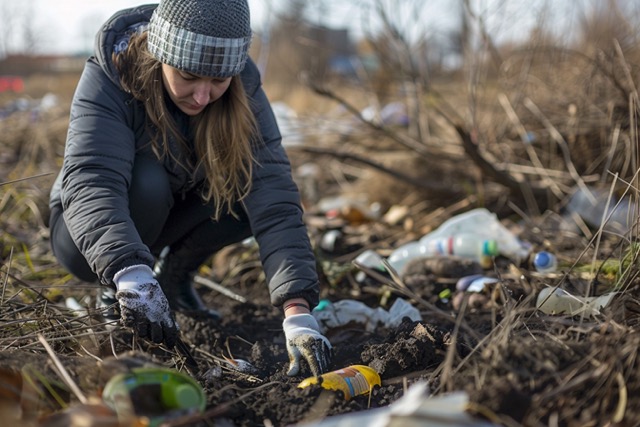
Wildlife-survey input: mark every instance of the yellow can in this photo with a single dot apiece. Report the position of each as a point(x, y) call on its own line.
point(353, 380)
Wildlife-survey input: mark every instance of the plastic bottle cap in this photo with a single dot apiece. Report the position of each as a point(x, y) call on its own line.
point(180, 396)
point(490, 248)
point(544, 261)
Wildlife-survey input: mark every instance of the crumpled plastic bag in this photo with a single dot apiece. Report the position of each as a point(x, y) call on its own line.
point(343, 312)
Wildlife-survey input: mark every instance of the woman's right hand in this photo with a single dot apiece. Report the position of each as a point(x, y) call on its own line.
point(143, 305)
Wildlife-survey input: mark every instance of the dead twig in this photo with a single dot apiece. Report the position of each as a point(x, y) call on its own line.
point(64, 375)
point(25, 178)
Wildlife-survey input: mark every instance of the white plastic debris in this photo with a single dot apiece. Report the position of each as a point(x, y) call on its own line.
point(343, 312)
point(558, 301)
point(416, 408)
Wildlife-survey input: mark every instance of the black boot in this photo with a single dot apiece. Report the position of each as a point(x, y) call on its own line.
point(174, 271)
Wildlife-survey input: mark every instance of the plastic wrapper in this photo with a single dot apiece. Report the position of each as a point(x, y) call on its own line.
point(343, 312)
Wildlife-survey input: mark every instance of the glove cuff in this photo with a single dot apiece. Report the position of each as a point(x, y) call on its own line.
point(300, 321)
point(133, 276)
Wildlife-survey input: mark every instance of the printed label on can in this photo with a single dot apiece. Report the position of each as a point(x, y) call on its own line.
point(355, 380)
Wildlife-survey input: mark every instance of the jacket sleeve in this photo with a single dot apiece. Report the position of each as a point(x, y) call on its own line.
point(275, 214)
point(96, 174)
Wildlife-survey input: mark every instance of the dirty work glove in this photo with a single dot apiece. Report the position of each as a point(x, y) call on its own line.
point(304, 340)
point(143, 306)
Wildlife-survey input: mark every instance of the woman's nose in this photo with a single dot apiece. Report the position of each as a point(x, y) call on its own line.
point(202, 94)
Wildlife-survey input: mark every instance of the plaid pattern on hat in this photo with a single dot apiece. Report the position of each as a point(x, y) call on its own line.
point(201, 36)
point(197, 53)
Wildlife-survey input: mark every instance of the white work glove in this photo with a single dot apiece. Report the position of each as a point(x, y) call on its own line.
point(143, 305)
point(304, 340)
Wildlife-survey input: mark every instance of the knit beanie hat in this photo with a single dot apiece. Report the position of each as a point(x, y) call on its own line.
point(204, 37)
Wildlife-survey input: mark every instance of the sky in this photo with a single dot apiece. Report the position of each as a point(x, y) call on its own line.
point(68, 26)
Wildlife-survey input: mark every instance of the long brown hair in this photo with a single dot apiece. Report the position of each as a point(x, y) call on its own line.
point(223, 132)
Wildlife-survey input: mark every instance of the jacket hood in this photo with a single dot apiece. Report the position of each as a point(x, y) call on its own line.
point(116, 30)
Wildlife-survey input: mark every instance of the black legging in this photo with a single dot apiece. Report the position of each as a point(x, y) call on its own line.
point(161, 220)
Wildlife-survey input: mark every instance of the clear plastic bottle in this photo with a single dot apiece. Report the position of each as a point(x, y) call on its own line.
point(464, 245)
point(405, 253)
point(486, 224)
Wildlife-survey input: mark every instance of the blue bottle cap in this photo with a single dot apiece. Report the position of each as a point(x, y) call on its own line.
point(544, 261)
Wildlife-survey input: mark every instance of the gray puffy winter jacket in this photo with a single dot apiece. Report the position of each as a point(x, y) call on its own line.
point(107, 130)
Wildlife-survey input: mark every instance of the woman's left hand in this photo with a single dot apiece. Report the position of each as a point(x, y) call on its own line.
point(304, 341)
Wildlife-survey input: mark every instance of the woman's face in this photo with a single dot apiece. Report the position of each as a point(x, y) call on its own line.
point(192, 93)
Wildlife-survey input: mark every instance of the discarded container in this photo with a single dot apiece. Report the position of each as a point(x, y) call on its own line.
point(484, 223)
point(354, 380)
point(545, 262)
point(156, 393)
point(558, 301)
point(405, 253)
point(465, 245)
